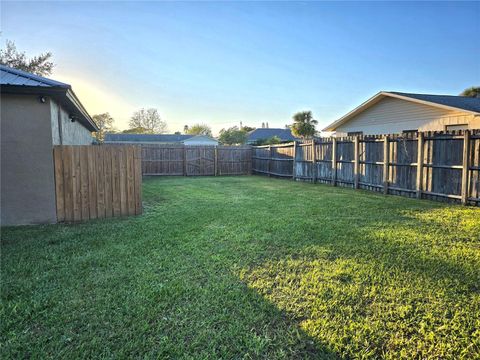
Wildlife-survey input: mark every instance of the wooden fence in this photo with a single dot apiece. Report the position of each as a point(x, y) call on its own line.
point(433, 165)
point(196, 160)
point(94, 182)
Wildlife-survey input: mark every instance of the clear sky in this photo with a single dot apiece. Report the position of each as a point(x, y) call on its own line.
point(221, 62)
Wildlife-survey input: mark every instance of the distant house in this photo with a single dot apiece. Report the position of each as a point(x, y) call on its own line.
point(152, 139)
point(395, 112)
point(266, 133)
point(37, 113)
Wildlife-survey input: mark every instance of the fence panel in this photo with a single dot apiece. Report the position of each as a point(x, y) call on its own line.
point(178, 160)
point(432, 165)
point(234, 160)
point(276, 160)
point(97, 181)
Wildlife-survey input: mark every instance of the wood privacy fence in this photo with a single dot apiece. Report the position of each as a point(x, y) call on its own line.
point(94, 182)
point(433, 165)
point(196, 160)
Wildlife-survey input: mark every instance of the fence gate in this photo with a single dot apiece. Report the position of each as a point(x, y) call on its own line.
point(199, 160)
point(179, 160)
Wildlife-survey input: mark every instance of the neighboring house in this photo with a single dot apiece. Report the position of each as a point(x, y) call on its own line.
point(153, 139)
point(395, 112)
point(36, 113)
point(266, 133)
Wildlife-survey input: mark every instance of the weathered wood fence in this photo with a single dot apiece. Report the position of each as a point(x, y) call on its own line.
point(196, 160)
point(433, 165)
point(94, 182)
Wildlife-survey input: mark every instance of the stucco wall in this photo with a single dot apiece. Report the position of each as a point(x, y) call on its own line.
point(67, 132)
point(27, 176)
point(392, 115)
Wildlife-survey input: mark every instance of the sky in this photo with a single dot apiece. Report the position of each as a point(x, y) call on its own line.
point(222, 63)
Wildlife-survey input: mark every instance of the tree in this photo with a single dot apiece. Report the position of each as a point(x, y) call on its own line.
point(38, 65)
point(303, 124)
point(199, 129)
point(104, 123)
point(149, 120)
point(473, 91)
point(137, 130)
point(270, 141)
point(233, 136)
point(247, 128)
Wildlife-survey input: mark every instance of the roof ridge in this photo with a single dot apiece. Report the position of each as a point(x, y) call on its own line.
point(406, 93)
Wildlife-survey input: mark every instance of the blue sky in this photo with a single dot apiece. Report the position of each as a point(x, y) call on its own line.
point(221, 62)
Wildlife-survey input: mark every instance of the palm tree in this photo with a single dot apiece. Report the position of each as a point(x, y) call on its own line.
point(304, 124)
point(473, 91)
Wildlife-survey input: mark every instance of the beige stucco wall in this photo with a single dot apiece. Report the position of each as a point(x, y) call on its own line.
point(391, 115)
point(66, 132)
point(27, 178)
point(29, 129)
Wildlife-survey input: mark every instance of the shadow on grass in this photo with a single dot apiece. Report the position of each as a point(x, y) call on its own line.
point(247, 268)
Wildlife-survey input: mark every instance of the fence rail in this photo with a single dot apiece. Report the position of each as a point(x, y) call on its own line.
point(433, 165)
point(196, 160)
point(94, 182)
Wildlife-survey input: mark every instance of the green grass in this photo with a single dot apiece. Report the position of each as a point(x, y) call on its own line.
point(248, 268)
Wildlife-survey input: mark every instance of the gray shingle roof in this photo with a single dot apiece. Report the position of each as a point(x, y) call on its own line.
point(162, 138)
point(460, 102)
point(9, 76)
point(267, 133)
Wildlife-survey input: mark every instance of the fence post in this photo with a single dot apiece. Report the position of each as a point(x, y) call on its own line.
point(294, 159)
point(420, 142)
point(385, 164)
point(356, 164)
point(270, 159)
point(216, 160)
point(314, 162)
point(334, 161)
point(465, 166)
point(184, 161)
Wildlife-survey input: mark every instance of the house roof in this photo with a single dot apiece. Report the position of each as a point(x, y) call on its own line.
point(448, 102)
point(267, 133)
point(142, 138)
point(21, 82)
point(152, 138)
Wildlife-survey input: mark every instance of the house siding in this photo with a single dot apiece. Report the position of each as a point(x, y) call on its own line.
point(27, 175)
point(392, 115)
point(66, 132)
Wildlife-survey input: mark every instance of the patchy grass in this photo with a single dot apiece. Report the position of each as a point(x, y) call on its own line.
point(248, 267)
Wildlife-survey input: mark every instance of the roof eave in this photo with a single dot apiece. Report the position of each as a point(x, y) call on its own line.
point(62, 93)
point(377, 97)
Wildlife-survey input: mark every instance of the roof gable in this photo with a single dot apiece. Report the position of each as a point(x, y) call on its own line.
point(447, 102)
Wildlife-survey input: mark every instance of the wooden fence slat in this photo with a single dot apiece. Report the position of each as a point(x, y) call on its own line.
point(386, 166)
point(334, 162)
point(419, 165)
point(115, 183)
point(92, 184)
point(138, 180)
point(123, 181)
point(84, 191)
point(77, 195)
point(59, 185)
point(466, 165)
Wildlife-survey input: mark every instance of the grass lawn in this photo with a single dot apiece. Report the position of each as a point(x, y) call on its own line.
point(247, 268)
